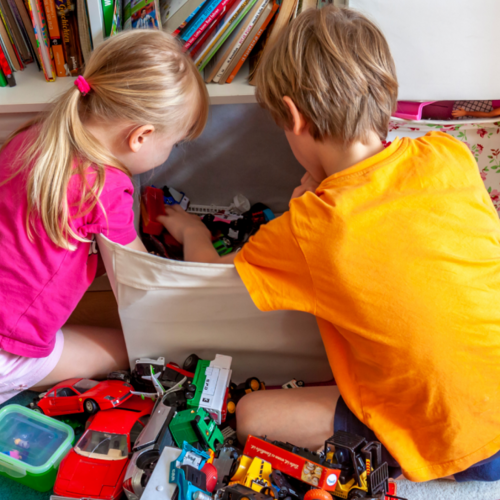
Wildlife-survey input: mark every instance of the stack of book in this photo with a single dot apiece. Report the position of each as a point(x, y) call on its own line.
point(59, 35)
point(220, 35)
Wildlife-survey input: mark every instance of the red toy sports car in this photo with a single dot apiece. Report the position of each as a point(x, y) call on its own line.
point(78, 395)
point(96, 466)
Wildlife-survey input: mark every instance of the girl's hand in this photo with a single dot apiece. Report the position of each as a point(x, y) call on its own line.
point(456, 113)
point(307, 183)
point(178, 223)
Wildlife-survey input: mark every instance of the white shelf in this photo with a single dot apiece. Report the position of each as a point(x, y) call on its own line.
point(32, 93)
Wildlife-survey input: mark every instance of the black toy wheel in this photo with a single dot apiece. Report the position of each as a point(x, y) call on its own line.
point(300, 383)
point(90, 407)
point(37, 409)
point(355, 494)
point(253, 384)
point(147, 460)
point(190, 363)
point(191, 388)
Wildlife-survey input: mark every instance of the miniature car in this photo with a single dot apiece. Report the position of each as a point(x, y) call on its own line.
point(253, 472)
point(154, 439)
point(96, 466)
point(196, 427)
point(79, 395)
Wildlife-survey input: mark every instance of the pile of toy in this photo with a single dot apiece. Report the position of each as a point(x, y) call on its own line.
point(230, 226)
point(165, 432)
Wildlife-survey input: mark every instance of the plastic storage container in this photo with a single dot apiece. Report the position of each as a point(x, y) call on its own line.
point(32, 446)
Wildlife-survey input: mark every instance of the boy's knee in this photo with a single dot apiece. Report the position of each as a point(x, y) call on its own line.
point(248, 411)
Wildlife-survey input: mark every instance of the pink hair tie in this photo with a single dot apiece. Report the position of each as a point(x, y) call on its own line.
point(82, 85)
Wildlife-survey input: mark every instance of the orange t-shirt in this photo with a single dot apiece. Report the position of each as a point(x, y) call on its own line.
point(399, 259)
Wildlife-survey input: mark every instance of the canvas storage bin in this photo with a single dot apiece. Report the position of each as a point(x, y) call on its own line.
point(172, 309)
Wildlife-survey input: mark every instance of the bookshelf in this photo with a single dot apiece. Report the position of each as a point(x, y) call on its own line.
point(32, 93)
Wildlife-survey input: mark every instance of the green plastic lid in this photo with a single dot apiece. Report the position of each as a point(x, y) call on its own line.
point(31, 442)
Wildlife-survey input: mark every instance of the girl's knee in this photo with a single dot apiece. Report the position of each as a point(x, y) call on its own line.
point(248, 414)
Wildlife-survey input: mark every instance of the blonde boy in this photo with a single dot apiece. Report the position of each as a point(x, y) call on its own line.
point(396, 251)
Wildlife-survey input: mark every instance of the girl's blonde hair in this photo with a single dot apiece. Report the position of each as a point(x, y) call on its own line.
point(138, 77)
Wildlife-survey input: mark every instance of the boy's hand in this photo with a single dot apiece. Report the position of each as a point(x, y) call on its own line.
point(178, 223)
point(456, 113)
point(307, 183)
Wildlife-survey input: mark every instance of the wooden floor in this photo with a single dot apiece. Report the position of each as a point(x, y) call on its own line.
point(97, 308)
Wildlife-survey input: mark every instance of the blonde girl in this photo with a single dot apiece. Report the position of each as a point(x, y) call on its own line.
point(65, 177)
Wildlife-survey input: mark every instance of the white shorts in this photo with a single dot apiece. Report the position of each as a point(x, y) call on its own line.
point(18, 373)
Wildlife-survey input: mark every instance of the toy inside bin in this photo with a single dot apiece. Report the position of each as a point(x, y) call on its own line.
point(32, 446)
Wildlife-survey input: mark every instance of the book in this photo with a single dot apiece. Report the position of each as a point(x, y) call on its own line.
point(68, 25)
point(252, 40)
point(282, 19)
point(117, 25)
point(203, 38)
point(42, 40)
point(168, 8)
point(204, 13)
point(108, 11)
point(178, 21)
point(5, 67)
point(219, 10)
point(83, 29)
point(141, 14)
point(232, 45)
point(22, 31)
point(28, 26)
point(8, 48)
point(10, 39)
point(15, 34)
point(235, 15)
point(55, 38)
point(96, 22)
point(3, 80)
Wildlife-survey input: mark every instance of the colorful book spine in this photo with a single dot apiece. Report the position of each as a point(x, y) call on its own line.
point(108, 9)
point(55, 37)
point(68, 25)
point(219, 9)
point(249, 49)
point(11, 40)
point(240, 41)
point(16, 16)
point(42, 40)
point(241, 11)
point(199, 43)
point(188, 19)
point(199, 20)
point(3, 80)
point(6, 70)
point(28, 26)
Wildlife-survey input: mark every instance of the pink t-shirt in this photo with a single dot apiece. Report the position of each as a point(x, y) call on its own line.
point(40, 283)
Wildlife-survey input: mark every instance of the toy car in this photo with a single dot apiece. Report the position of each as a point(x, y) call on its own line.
point(224, 465)
point(79, 395)
point(95, 467)
point(196, 427)
point(211, 380)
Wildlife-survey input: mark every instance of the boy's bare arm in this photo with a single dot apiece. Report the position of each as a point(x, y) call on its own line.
point(194, 236)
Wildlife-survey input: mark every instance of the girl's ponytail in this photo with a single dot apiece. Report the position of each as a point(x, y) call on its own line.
point(139, 77)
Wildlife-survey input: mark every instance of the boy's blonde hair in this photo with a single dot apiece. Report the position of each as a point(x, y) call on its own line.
point(337, 68)
point(138, 77)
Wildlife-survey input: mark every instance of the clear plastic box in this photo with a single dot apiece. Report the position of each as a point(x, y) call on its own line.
point(31, 446)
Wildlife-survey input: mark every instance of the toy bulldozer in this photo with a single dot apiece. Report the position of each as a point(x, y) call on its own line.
point(363, 475)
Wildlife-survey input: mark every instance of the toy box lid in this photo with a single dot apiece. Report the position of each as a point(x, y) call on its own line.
point(31, 442)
